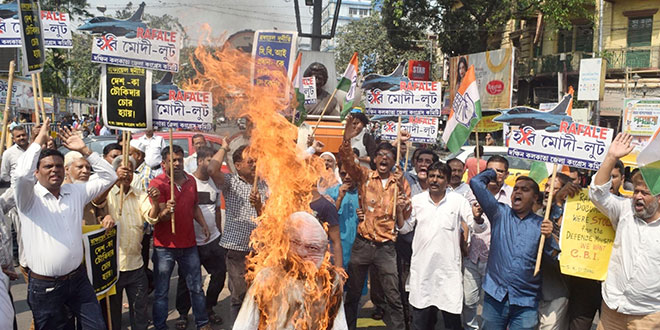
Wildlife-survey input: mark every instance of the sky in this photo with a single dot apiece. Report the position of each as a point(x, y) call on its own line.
point(222, 15)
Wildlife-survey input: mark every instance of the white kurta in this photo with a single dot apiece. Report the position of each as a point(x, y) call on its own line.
point(435, 270)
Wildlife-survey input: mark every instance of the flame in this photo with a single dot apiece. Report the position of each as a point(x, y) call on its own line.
point(271, 267)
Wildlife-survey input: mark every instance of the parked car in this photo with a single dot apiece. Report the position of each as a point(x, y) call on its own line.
point(184, 140)
point(96, 143)
point(517, 166)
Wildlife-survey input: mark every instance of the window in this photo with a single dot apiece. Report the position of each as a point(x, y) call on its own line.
point(353, 11)
point(565, 41)
point(584, 38)
point(640, 30)
point(364, 12)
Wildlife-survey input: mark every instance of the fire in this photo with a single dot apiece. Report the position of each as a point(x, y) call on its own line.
point(227, 74)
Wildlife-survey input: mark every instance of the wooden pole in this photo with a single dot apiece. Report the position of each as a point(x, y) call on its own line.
point(41, 97)
point(107, 308)
point(5, 117)
point(476, 137)
point(546, 217)
point(323, 112)
point(124, 162)
point(408, 146)
point(172, 179)
point(35, 96)
point(398, 159)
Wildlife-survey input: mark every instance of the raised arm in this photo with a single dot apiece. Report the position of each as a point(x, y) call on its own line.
point(347, 157)
point(215, 165)
point(24, 179)
point(620, 147)
point(486, 200)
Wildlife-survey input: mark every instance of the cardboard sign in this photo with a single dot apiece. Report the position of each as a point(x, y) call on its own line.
point(574, 144)
point(486, 124)
point(415, 98)
point(56, 30)
point(591, 85)
point(188, 110)
point(641, 118)
point(419, 70)
point(102, 258)
point(32, 37)
point(586, 239)
point(421, 129)
point(309, 89)
point(273, 52)
point(150, 49)
point(126, 97)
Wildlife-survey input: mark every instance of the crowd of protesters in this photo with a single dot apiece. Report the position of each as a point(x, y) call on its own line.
point(430, 245)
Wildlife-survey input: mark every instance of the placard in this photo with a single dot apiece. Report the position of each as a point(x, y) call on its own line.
point(585, 240)
point(309, 89)
point(102, 258)
point(414, 98)
point(126, 97)
point(32, 37)
point(421, 129)
point(591, 85)
point(486, 124)
point(273, 52)
point(187, 110)
point(419, 70)
point(574, 144)
point(150, 49)
point(641, 118)
point(57, 32)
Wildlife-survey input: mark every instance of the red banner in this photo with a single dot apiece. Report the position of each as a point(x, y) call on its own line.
point(419, 70)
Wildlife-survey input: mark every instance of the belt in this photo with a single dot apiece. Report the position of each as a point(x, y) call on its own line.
point(374, 243)
point(55, 278)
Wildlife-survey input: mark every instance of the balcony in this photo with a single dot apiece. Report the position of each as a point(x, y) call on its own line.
point(632, 57)
point(549, 64)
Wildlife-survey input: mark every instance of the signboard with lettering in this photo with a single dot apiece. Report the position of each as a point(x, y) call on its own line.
point(32, 37)
point(102, 258)
point(591, 85)
point(574, 144)
point(419, 70)
point(187, 110)
point(641, 118)
point(126, 97)
point(421, 129)
point(56, 30)
point(486, 124)
point(309, 89)
point(273, 52)
point(586, 239)
point(150, 49)
point(414, 98)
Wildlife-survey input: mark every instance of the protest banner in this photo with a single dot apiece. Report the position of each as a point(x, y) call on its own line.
point(102, 258)
point(149, 49)
point(591, 85)
point(32, 38)
point(309, 89)
point(585, 240)
point(126, 97)
point(419, 70)
point(575, 145)
point(486, 124)
point(414, 98)
point(421, 129)
point(494, 74)
point(56, 31)
point(188, 110)
point(273, 51)
point(641, 120)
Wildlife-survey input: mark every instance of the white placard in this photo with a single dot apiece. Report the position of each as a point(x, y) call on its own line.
point(56, 25)
point(187, 110)
point(421, 129)
point(415, 98)
point(591, 80)
point(151, 49)
point(309, 89)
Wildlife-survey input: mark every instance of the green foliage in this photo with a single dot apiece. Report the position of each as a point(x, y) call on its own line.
point(368, 37)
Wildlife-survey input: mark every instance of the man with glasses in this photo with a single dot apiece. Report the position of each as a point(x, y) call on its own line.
point(376, 234)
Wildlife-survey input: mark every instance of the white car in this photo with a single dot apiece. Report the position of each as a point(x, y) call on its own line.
point(517, 166)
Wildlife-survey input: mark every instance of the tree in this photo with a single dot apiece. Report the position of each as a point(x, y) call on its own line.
point(368, 37)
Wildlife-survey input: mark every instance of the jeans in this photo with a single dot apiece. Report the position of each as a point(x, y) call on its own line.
point(135, 284)
point(212, 257)
point(383, 256)
point(473, 276)
point(188, 261)
point(500, 315)
point(426, 318)
point(47, 299)
point(235, 261)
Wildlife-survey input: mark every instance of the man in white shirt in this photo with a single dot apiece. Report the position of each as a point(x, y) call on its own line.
point(21, 141)
point(631, 292)
point(154, 144)
point(211, 254)
point(190, 162)
point(51, 226)
point(436, 282)
point(456, 183)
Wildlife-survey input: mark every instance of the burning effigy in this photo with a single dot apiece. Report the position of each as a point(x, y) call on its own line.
point(292, 283)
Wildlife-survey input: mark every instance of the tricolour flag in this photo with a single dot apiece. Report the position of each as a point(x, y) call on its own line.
point(296, 81)
point(348, 83)
point(465, 112)
point(648, 161)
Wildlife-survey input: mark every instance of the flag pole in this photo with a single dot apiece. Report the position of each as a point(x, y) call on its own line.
point(35, 97)
point(5, 117)
point(41, 97)
point(548, 206)
point(172, 179)
point(332, 97)
point(398, 159)
point(476, 137)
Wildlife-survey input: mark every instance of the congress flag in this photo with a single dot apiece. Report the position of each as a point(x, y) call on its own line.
point(348, 84)
point(296, 81)
point(648, 161)
point(465, 112)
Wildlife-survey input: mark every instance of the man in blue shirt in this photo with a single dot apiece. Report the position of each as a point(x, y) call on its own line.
point(511, 289)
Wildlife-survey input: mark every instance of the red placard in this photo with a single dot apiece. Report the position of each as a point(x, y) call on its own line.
point(419, 70)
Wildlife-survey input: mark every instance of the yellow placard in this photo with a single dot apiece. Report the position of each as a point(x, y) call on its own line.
point(113, 289)
point(586, 239)
point(486, 124)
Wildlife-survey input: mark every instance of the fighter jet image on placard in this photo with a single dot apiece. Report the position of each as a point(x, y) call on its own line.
point(9, 10)
point(161, 89)
point(126, 28)
point(391, 82)
point(549, 120)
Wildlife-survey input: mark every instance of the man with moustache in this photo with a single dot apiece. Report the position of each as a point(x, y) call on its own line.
point(346, 197)
point(631, 292)
point(456, 183)
point(10, 157)
point(436, 283)
point(477, 253)
point(511, 290)
point(417, 179)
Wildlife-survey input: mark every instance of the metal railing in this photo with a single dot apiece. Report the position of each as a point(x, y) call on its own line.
point(632, 57)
